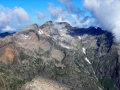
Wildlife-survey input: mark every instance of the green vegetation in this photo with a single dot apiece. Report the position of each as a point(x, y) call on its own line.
point(72, 70)
point(23, 55)
point(107, 83)
point(16, 84)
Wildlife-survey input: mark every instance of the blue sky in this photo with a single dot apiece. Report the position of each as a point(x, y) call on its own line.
point(39, 11)
point(17, 14)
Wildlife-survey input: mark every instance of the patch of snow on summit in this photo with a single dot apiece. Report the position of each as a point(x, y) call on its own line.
point(79, 37)
point(26, 36)
point(40, 32)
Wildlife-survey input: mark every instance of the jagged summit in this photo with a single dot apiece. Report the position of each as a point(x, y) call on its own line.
point(48, 23)
point(31, 27)
point(67, 25)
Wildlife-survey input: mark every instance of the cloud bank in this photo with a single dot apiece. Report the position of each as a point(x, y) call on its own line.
point(71, 14)
point(8, 29)
point(21, 15)
point(15, 16)
point(57, 14)
point(70, 6)
point(107, 13)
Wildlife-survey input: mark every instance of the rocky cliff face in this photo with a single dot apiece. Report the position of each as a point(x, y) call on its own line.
point(66, 57)
point(41, 83)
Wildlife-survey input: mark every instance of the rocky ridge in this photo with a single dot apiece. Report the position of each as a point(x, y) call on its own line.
point(77, 58)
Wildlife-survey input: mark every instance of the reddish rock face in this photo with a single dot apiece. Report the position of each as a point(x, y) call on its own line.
point(8, 52)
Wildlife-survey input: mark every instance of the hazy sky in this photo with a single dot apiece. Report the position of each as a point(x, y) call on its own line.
point(16, 14)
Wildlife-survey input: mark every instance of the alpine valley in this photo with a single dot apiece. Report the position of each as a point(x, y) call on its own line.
point(57, 56)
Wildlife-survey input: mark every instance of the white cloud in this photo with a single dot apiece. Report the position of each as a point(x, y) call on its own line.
point(58, 14)
point(107, 13)
point(70, 6)
point(5, 16)
point(83, 21)
point(12, 16)
point(21, 15)
point(69, 15)
point(40, 15)
point(8, 28)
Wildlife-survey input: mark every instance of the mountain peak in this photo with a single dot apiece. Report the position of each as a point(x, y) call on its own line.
point(48, 23)
point(65, 24)
point(31, 27)
point(62, 53)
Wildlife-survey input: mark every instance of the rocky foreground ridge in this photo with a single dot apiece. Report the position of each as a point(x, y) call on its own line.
point(57, 56)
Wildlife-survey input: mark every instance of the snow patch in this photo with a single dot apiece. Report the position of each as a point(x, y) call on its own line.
point(62, 34)
point(79, 37)
point(19, 43)
point(40, 32)
point(61, 30)
point(65, 46)
point(87, 60)
point(26, 36)
point(54, 38)
point(84, 50)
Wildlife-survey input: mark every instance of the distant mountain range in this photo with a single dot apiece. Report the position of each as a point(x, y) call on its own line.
point(2, 35)
point(57, 56)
